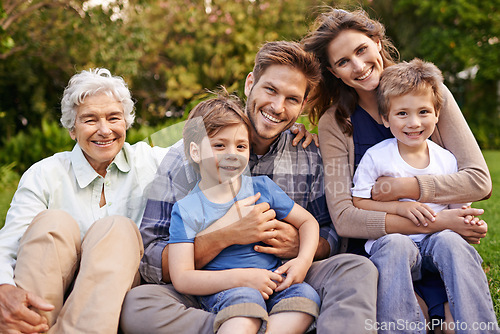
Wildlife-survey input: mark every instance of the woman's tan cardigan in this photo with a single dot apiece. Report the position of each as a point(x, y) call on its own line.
point(471, 183)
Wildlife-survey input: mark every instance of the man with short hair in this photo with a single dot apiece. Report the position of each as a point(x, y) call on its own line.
point(277, 89)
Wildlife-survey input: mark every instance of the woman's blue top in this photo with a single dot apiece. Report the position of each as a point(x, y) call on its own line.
point(366, 133)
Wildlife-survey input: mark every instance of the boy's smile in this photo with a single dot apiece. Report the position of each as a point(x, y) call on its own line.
point(412, 119)
point(224, 156)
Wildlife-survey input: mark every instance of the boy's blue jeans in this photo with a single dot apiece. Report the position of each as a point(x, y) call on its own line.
point(400, 261)
point(248, 302)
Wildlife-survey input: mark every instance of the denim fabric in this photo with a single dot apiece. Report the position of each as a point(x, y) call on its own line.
point(248, 302)
point(218, 301)
point(399, 262)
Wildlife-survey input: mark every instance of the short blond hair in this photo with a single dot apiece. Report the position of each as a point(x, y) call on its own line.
point(409, 77)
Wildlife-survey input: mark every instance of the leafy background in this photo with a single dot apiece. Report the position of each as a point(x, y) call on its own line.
point(170, 51)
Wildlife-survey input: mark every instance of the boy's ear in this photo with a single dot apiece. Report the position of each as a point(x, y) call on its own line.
point(385, 121)
point(194, 152)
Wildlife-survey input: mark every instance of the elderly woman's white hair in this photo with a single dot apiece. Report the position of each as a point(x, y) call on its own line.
point(92, 82)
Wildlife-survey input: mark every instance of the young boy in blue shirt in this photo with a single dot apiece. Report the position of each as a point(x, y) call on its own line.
point(247, 289)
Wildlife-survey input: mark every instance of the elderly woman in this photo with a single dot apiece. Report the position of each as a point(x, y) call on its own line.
point(70, 248)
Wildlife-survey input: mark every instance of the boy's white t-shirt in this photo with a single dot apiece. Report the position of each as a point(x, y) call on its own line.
point(383, 159)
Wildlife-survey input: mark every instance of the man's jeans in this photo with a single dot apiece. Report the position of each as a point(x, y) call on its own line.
point(399, 262)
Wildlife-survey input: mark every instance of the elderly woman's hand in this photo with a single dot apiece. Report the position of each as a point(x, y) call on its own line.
point(16, 314)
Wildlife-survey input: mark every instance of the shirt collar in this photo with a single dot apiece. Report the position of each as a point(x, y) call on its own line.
point(277, 146)
point(85, 173)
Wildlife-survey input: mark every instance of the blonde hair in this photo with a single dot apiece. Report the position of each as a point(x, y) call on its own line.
point(409, 77)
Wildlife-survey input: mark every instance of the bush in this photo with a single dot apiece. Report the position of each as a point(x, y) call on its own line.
point(8, 185)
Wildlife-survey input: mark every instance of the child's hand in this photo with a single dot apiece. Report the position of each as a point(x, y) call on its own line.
point(469, 219)
point(261, 279)
point(295, 270)
point(418, 213)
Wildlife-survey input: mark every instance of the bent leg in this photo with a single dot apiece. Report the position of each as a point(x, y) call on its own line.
point(154, 308)
point(111, 251)
point(347, 286)
point(48, 257)
point(236, 303)
point(398, 260)
point(466, 284)
point(293, 310)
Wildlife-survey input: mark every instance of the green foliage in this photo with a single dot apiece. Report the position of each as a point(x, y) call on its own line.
point(26, 148)
point(170, 51)
point(490, 246)
point(8, 184)
point(205, 44)
point(462, 38)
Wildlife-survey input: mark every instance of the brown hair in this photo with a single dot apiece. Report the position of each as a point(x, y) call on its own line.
point(208, 117)
point(413, 77)
point(290, 54)
point(332, 91)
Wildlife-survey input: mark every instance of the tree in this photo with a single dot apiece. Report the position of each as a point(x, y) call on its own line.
point(462, 38)
point(52, 40)
point(194, 45)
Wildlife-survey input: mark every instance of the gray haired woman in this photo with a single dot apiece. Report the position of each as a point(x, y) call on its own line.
point(70, 248)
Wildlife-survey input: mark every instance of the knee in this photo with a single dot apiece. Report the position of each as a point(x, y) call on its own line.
point(448, 239)
point(395, 245)
point(244, 295)
point(118, 229)
point(54, 223)
point(450, 244)
point(306, 291)
point(361, 265)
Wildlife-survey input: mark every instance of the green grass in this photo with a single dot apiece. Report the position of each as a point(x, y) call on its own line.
point(489, 249)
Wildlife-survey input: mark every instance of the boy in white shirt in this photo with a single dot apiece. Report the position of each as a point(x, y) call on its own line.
point(409, 98)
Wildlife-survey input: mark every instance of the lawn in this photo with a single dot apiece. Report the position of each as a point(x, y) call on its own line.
point(489, 247)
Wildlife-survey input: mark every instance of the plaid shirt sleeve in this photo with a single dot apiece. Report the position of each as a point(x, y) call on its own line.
point(318, 208)
point(174, 179)
point(299, 172)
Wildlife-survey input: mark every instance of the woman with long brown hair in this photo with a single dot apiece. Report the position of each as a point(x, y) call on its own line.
point(353, 51)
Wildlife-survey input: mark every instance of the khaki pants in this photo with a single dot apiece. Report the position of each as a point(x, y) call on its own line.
point(346, 283)
point(86, 280)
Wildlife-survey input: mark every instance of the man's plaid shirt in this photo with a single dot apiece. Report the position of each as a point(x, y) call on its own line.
point(298, 171)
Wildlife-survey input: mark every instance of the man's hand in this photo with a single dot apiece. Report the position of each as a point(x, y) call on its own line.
point(285, 244)
point(299, 130)
point(15, 313)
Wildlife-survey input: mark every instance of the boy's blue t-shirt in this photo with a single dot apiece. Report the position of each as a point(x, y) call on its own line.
point(195, 212)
